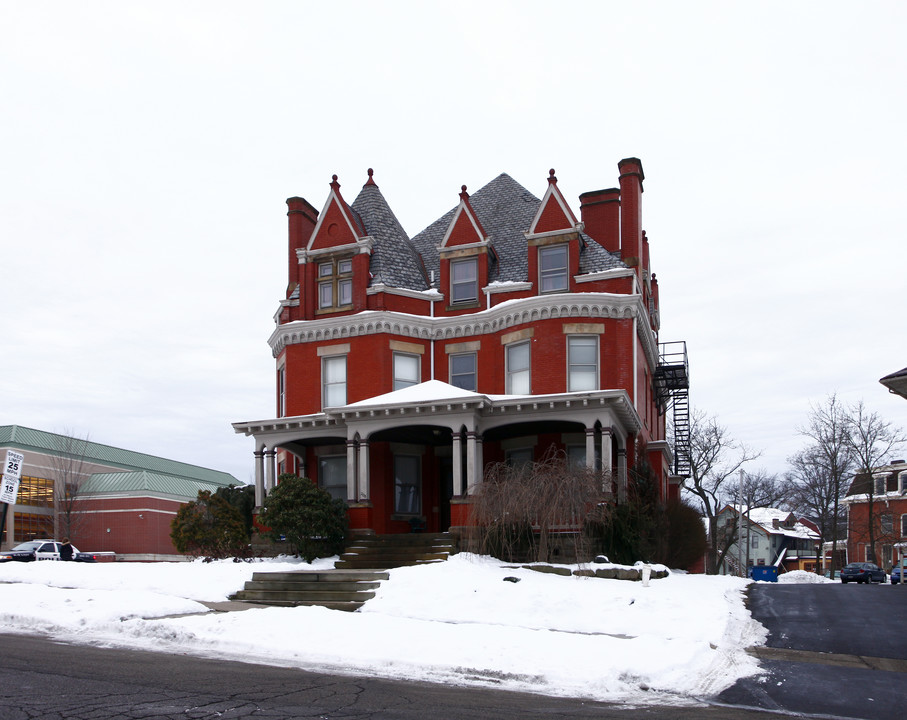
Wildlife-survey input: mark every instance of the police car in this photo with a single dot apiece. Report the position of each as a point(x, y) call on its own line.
point(42, 550)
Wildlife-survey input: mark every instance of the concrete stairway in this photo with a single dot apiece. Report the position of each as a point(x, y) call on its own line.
point(335, 589)
point(357, 574)
point(391, 551)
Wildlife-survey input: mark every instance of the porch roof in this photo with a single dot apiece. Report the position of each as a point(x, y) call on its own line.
point(438, 398)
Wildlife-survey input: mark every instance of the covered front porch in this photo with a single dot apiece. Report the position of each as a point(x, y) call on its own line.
point(411, 459)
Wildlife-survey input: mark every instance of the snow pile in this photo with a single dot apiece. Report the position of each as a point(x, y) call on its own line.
point(678, 639)
point(801, 577)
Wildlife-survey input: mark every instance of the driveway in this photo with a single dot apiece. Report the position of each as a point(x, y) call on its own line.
point(833, 650)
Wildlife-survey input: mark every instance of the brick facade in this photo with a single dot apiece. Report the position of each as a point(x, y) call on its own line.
point(506, 327)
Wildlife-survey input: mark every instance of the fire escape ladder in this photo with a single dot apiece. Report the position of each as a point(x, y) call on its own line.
point(672, 388)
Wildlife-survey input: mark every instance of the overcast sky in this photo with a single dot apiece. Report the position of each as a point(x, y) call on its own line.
point(147, 150)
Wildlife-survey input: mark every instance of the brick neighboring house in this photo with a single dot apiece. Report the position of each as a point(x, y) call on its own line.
point(404, 366)
point(124, 503)
point(887, 488)
point(771, 537)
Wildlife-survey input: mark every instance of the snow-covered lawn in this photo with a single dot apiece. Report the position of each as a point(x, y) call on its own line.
point(679, 639)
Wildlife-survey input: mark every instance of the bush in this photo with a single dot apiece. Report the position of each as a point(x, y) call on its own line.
point(313, 523)
point(241, 497)
point(209, 527)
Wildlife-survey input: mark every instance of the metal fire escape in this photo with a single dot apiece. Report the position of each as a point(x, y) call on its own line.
point(672, 389)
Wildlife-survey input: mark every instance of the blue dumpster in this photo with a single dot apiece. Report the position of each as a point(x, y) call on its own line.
point(765, 573)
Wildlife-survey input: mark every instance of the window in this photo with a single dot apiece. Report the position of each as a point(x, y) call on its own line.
point(582, 359)
point(518, 457)
point(406, 370)
point(754, 543)
point(463, 371)
point(35, 492)
point(464, 280)
point(903, 525)
point(576, 455)
point(407, 485)
point(887, 524)
point(553, 269)
point(333, 374)
point(517, 360)
point(879, 485)
point(332, 475)
point(902, 483)
point(281, 392)
point(335, 283)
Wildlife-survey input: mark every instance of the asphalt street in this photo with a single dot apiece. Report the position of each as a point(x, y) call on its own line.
point(832, 651)
point(41, 679)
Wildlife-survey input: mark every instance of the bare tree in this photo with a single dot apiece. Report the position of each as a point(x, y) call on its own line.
point(519, 508)
point(828, 428)
point(715, 459)
point(70, 470)
point(871, 440)
point(815, 494)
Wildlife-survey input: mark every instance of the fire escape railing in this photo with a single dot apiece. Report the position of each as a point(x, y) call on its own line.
point(672, 389)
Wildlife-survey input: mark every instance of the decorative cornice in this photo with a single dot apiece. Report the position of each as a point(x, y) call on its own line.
point(495, 319)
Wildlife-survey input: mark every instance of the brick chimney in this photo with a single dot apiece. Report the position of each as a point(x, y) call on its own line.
point(302, 222)
point(600, 213)
point(631, 244)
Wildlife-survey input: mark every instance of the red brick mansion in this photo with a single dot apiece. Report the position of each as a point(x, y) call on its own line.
point(406, 365)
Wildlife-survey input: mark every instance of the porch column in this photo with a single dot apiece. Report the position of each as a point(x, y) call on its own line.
point(590, 448)
point(364, 490)
point(480, 462)
point(607, 460)
point(270, 456)
point(621, 475)
point(351, 469)
point(259, 478)
point(470, 462)
point(457, 465)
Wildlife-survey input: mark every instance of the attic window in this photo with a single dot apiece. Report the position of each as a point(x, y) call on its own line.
point(879, 485)
point(464, 280)
point(553, 269)
point(335, 284)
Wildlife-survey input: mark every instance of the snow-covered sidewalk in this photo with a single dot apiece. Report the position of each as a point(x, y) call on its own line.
point(679, 639)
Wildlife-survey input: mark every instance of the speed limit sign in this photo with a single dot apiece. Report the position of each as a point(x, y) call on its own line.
point(12, 471)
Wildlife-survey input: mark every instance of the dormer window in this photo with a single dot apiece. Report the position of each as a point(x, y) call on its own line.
point(879, 484)
point(553, 269)
point(464, 280)
point(335, 283)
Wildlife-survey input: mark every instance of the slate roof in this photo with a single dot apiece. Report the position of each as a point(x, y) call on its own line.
point(506, 210)
point(394, 260)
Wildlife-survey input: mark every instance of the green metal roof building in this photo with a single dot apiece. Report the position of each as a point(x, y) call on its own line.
point(120, 500)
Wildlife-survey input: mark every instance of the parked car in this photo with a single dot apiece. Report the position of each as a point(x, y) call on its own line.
point(863, 572)
point(896, 575)
point(42, 550)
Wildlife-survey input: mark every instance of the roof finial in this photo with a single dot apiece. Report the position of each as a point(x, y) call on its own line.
point(551, 178)
point(334, 184)
point(371, 180)
point(463, 194)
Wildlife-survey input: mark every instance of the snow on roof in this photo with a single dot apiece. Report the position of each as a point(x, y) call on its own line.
point(430, 391)
point(765, 517)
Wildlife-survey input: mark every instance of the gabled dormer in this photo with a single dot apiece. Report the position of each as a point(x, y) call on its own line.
point(465, 252)
point(554, 241)
point(336, 260)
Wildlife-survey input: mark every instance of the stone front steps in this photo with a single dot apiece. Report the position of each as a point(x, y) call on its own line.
point(357, 573)
point(390, 551)
point(335, 589)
